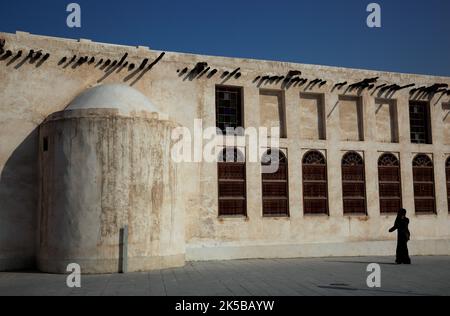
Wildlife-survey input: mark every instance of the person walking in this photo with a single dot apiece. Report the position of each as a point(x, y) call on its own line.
point(401, 225)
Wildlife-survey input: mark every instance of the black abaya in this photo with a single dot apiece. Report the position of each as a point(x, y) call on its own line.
point(401, 225)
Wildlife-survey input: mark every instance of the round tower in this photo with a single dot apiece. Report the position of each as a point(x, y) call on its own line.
point(108, 186)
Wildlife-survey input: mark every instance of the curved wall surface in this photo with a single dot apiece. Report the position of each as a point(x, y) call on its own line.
point(102, 171)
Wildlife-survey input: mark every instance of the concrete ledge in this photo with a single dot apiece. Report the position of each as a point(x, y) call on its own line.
point(103, 266)
point(315, 250)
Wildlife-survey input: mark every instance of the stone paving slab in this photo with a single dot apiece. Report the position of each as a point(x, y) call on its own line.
point(268, 277)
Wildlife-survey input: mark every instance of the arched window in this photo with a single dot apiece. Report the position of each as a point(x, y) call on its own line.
point(353, 184)
point(275, 191)
point(447, 171)
point(389, 180)
point(232, 183)
point(315, 186)
point(423, 177)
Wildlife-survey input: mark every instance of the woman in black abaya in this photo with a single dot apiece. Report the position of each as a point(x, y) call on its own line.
point(401, 225)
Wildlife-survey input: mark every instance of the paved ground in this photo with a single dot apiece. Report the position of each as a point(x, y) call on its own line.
point(272, 277)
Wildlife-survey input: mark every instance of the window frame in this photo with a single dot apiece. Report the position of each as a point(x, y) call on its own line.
point(432, 183)
point(240, 107)
point(305, 182)
point(399, 182)
point(343, 182)
point(222, 179)
point(286, 181)
point(427, 119)
point(447, 172)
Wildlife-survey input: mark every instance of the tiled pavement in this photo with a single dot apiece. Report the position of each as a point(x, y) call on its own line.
point(271, 277)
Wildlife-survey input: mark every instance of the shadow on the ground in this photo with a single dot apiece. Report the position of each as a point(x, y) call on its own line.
point(380, 291)
point(31, 272)
point(363, 262)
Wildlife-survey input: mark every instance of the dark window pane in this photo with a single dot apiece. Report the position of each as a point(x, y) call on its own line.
point(420, 124)
point(228, 108)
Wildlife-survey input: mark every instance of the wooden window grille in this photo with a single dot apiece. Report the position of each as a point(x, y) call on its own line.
point(447, 171)
point(389, 181)
point(275, 186)
point(232, 183)
point(423, 178)
point(315, 184)
point(353, 184)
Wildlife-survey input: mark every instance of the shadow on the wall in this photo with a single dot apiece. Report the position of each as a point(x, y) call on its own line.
point(36, 59)
point(332, 110)
point(14, 59)
point(18, 206)
point(22, 62)
point(143, 69)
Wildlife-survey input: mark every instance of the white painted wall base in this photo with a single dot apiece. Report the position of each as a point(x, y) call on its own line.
point(315, 250)
point(102, 266)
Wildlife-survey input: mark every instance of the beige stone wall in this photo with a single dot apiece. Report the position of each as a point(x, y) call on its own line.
point(31, 92)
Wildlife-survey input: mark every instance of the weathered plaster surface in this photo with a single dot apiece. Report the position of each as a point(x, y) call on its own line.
point(102, 172)
point(30, 93)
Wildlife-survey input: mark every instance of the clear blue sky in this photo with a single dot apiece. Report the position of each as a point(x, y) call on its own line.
point(414, 38)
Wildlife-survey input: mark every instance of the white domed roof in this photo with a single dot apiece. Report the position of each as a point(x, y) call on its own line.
point(113, 96)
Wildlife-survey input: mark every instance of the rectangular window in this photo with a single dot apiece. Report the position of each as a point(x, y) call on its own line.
point(420, 125)
point(228, 108)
